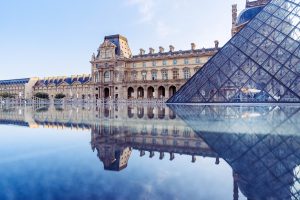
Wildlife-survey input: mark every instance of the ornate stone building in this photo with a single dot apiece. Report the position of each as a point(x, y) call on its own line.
point(118, 74)
point(20, 88)
point(74, 87)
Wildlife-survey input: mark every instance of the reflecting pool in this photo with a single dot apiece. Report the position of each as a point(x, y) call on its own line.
point(144, 152)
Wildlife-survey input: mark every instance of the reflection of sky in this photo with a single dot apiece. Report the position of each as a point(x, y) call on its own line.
point(59, 164)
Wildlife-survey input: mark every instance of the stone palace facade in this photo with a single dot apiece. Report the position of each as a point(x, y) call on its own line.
point(117, 74)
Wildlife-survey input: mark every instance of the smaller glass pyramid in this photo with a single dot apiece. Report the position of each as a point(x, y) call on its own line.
point(261, 63)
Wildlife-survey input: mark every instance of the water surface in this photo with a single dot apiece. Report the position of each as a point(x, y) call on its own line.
point(142, 152)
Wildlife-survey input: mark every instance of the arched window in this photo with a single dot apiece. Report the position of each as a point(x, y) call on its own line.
point(106, 76)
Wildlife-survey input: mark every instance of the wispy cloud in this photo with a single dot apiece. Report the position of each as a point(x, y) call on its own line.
point(145, 8)
point(149, 16)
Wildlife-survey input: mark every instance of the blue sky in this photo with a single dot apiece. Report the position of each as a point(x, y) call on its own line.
point(54, 37)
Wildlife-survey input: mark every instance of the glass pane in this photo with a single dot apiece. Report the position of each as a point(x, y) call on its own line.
point(281, 13)
point(238, 40)
point(263, 16)
point(272, 66)
point(255, 24)
point(257, 38)
point(273, 21)
point(288, 6)
point(278, 2)
point(238, 58)
point(247, 32)
point(259, 56)
point(268, 46)
point(277, 37)
point(289, 44)
point(265, 30)
point(248, 48)
point(293, 19)
point(249, 67)
point(219, 60)
point(293, 64)
point(281, 55)
point(285, 28)
point(219, 79)
point(229, 68)
point(271, 8)
point(295, 34)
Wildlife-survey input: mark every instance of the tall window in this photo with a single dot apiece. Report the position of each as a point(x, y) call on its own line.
point(197, 60)
point(186, 73)
point(97, 77)
point(186, 61)
point(175, 74)
point(164, 62)
point(133, 65)
point(174, 62)
point(106, 76)
point(164, 75)
point(144, 64)
point(154, 75)
point(144, 75)
point(153, 63)
point(133, 76)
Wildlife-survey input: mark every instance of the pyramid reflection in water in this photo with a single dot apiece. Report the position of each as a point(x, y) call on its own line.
point(261, 144)
point(261, 63)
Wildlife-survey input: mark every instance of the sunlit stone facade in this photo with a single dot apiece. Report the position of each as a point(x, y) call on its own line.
point(74, 87)
point(117, 74)
point(20, 88)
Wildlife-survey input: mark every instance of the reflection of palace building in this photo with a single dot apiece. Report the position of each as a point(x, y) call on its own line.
point(260, 143)
point(116, 131)
point(115, 143)
point(252, 8)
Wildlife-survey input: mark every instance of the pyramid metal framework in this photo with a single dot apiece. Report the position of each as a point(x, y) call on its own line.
point(261, 63)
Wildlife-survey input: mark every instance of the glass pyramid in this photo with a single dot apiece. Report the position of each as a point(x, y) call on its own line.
point(261, 63)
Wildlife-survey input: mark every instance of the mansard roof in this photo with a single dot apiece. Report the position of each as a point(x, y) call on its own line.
point(14, 81)
point(82, 79)
point(107, 44)
point(259, 64)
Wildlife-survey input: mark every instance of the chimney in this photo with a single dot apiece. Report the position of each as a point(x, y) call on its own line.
point(151, 50)
point(142, 51)
point(216, 44)
point(171, 48)
point(161, 49)
point(193, 46)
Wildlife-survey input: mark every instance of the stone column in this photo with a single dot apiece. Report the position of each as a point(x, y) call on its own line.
point(112, 77)
point(101, 76)
point(167, 94)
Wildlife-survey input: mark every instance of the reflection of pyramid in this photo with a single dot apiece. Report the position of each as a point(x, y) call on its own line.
point(261, 63)
point(265, 159)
